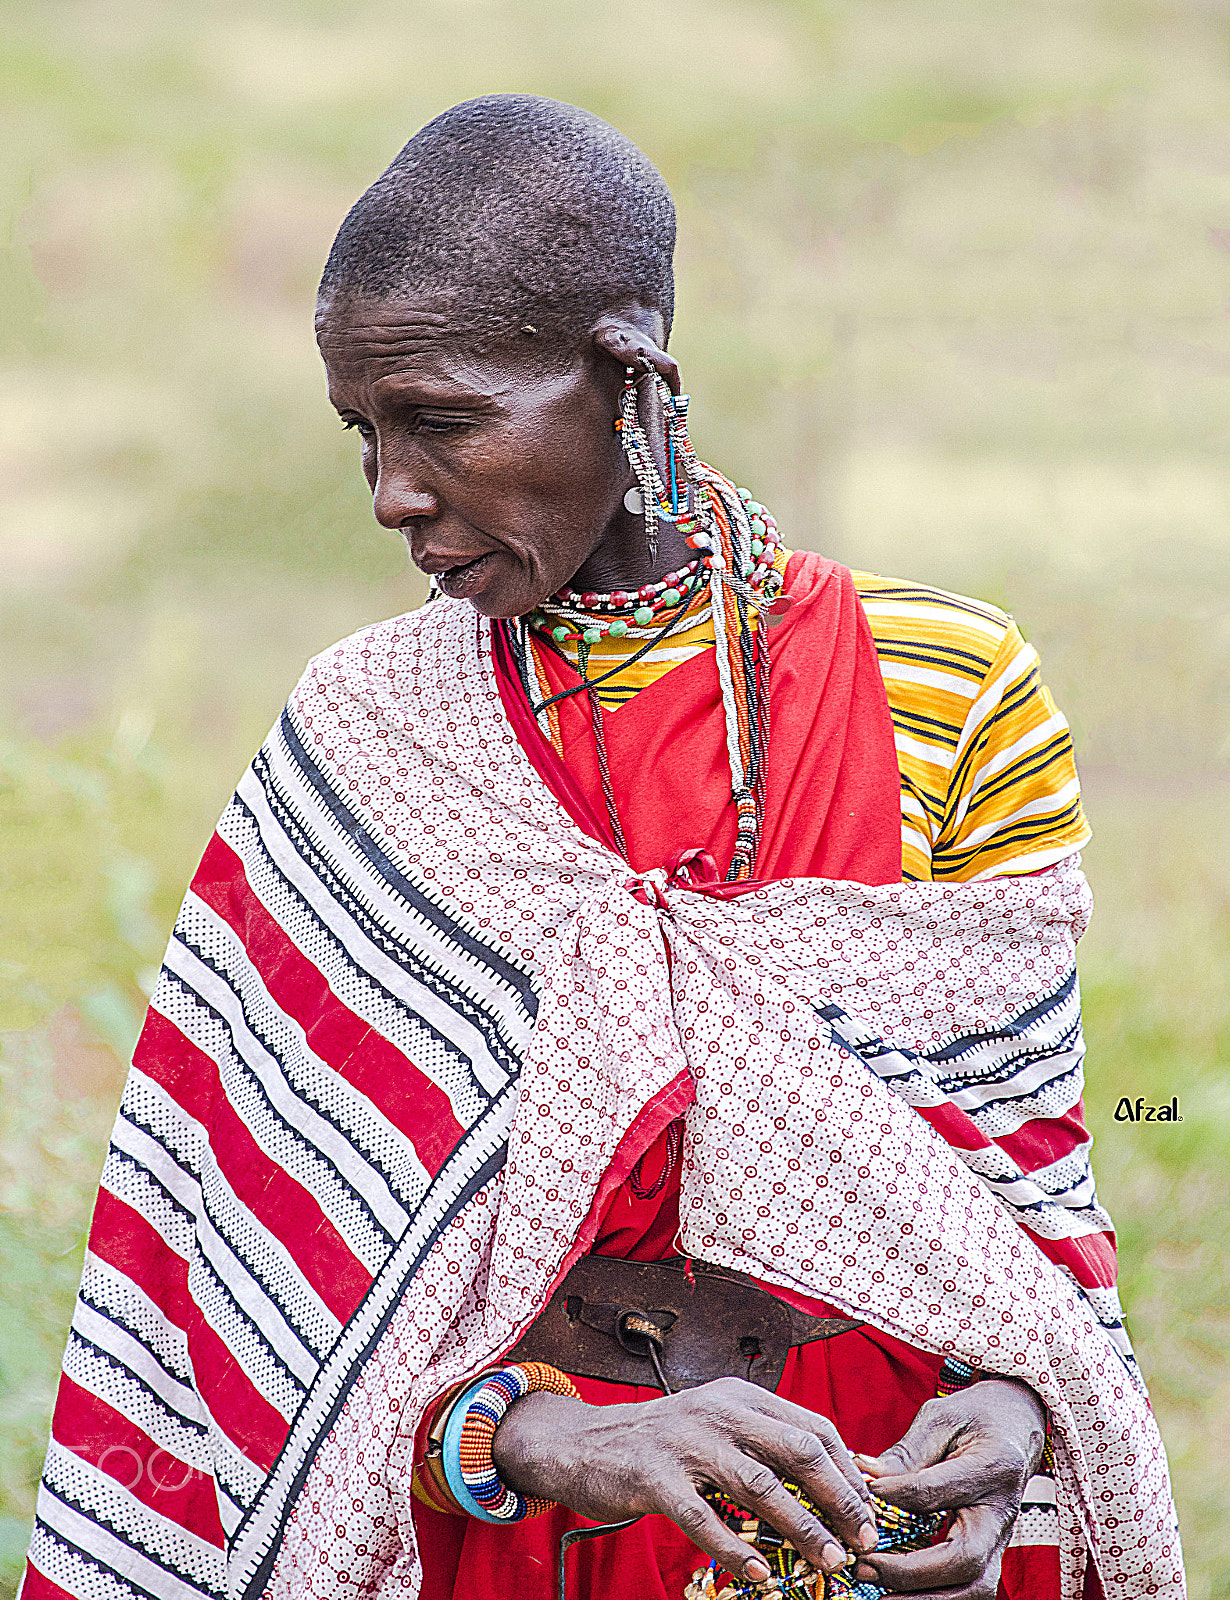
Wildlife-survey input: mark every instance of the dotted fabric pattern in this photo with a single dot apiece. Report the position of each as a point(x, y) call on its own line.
point(801, 1165)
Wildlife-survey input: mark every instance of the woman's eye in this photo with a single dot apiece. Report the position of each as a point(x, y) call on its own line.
point(420, 424)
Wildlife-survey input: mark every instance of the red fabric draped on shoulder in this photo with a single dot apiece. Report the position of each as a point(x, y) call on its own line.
point(833, 806)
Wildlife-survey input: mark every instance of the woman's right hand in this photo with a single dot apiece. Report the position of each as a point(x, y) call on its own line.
point(609, 1463)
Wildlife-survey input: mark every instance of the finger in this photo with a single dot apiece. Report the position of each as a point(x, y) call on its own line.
point(966, 1479)
point(812, 1424)
point(805, 1458)
point(702, 1525)
point(972, 1544)
point(984, 1588)
point(756, 1487)
point(928, 1438)
point(803, 1446)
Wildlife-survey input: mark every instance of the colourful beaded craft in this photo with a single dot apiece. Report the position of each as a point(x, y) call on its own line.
point(484, 1412)
point(790, 1576)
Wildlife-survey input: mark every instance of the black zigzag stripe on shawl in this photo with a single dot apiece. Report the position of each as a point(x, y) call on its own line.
point(237, 1020)
point(1054, 1201)
point(456, 1185)
point(307, 855)
point(221, 1240)
point(478, 1156)
point(349, 974)
point(1031, 1066)
point(118, 1565)
point(417, 962)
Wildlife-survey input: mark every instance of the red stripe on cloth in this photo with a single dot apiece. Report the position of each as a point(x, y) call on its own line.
point(38, 1586)
point(104, 1437)
point(235, 1404)
point(954, 1127)
point(171, 1060)
point(290, 1213)
point(278, 1201)
point(1046, 1139)
point(400, 1090)
point(123, 1237)
point(1092, 1259)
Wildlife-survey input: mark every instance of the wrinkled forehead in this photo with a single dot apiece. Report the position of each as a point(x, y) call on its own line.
point(453, 331)
point(351, 325)
point(386, 348)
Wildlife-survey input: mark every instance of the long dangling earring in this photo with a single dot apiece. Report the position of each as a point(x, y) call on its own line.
point(682, 456)
point(694, 516)
point(640, 457)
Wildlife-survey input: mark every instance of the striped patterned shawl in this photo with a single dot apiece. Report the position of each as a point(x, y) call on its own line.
point(407, 1016)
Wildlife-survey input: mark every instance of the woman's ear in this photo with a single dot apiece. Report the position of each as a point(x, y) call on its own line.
point(631, 346)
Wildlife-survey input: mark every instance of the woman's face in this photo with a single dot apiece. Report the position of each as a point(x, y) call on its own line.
point(505, 480)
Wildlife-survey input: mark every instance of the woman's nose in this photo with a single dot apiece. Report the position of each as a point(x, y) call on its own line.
point(401, 497)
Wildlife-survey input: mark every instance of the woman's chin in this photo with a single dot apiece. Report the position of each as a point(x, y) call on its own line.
point(493, 591)
point(498, 601)
point(468, 582)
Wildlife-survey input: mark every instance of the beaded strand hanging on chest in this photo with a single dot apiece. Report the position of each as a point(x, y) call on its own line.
point(736, 541)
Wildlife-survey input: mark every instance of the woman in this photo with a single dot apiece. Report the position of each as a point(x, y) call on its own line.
point(658, 907)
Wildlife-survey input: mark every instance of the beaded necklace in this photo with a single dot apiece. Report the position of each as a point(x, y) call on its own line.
point(736, 541)
point(588, 616)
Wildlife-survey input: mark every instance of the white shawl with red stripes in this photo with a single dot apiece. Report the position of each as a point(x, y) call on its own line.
point(408, 1013)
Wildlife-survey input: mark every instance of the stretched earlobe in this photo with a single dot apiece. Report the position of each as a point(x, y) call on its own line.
point(631, 346)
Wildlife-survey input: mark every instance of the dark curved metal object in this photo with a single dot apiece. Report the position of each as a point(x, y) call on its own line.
point(712, 1324)
point(575, 1536)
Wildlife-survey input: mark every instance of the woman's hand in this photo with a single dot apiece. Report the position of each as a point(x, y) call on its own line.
point(972, 1452)
point(612, 1462)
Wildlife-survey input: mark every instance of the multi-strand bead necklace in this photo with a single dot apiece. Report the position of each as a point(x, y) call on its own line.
point(584, 617)
point(737, 542)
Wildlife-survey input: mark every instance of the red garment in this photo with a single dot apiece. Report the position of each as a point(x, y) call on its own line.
point(833, 799)
point(832, 810)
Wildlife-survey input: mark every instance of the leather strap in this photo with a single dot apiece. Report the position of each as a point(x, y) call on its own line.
point(619, 1320)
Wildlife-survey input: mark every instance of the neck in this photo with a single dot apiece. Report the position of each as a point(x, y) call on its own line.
point(622, 561)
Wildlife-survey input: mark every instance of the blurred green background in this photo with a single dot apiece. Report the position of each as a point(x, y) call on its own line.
point(953, 293)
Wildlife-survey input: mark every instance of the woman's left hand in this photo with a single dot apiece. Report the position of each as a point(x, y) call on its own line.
point(971, 1452)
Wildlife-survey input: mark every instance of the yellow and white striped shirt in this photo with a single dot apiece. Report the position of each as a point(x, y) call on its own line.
point(988, 775)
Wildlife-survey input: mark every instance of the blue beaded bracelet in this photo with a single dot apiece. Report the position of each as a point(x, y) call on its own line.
point(450, 1455)
point(469, 1435)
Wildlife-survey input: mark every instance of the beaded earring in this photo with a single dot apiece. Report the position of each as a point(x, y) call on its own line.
point(640, 457)
point(657, 502)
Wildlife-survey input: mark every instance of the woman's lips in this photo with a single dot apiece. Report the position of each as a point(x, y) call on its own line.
point(464, 580)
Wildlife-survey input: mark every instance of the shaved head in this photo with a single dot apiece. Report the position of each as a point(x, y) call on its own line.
point(527, 217)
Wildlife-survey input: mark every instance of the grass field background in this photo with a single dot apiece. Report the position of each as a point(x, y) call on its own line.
point(953, 289)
